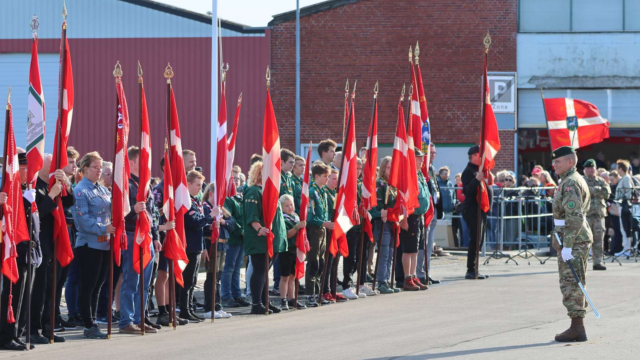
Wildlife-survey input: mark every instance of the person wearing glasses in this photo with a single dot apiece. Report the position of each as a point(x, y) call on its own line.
point(92, 216)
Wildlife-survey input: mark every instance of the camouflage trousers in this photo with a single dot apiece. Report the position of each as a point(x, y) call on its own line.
point(596, 223)
point(572, 297)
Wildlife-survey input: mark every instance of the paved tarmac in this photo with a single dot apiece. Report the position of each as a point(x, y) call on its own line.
point(513, 315)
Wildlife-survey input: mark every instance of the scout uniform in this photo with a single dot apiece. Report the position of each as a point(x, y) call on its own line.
point(600, 192)
point(286, 184)
point(297, 192)
point(570, 206)
point(317, 235)
point(254, 244)
point(331, 204)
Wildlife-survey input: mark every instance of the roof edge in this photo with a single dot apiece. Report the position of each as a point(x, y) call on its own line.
point(309, 10)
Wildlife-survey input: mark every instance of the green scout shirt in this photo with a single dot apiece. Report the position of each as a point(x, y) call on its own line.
point(570, 206)
point(423, 196)
point(286, 184)
point(381, 190)
point(291, 221)
point(234, 206)
point(331, 201)
point(297, 192)
point(600, 192)
point(318, 208)
point(254, 244)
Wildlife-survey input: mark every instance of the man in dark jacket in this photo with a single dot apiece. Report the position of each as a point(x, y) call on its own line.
point(471, 178)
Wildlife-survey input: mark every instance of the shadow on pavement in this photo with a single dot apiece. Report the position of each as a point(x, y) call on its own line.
point(465, 352)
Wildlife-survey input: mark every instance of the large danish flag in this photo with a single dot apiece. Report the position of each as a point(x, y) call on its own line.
point(301, 237)
point(270, 170)
point(143, 224)
point(120, 192)
point(369, 198)
point(182, 199)
point(231, 151)
point(575, 123)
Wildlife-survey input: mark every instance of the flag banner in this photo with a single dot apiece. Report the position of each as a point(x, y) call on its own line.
point(120, 206)
point(173, 247)
point(575, 123)
point(64, 252)
point(35, 119)
point(424, 115)
point(346, 211)
point(182, 199)
point(412, 176)
point(231, 186)
point(369, 198)
point(143, 223)
point(221, 147)
point(270, 169)
point(398, 174)
point(489, 141)
point(301, 237)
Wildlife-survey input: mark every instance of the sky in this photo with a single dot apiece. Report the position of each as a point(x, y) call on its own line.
point(247, 12)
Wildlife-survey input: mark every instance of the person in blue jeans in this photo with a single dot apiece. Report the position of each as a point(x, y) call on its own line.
point(230, 286)
point(131, 316)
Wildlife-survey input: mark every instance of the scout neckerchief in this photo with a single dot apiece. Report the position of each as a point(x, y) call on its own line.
point(293, 217)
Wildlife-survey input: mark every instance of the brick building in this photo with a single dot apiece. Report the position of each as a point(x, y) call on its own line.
point(368, 41)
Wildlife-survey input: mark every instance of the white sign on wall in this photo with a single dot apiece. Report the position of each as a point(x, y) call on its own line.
point(503, 93)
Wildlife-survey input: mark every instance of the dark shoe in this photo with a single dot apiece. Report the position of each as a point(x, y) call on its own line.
point(431, 281)
point(163, 319)
point(230, 303)
point(31, 346)
point(115, 316)
point(259, 310)
point(76, 320)
point(369, 278)
point(181, 321)
point(188, 316)
point(58, 327)
point(298, 306)
point(274, 309)
point(311, 302)
point(197, 316)
point(599, 267)
point(94, 333)
point(148, 322)
point(284, 304)
point(12, 345)
point(57, 339)
point(68, 325)
point(198, 306)
point(39, 339)
point(576, 332)
point(242, 302)
point(472, 276)
point(274, 292)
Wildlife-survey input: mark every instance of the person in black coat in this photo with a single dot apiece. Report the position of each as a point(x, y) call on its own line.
point(471, 178)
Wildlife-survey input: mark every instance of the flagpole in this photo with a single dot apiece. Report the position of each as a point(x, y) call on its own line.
point(266, 250)
point(4, 177)
point(141, 286)
point(168, 74)
point(546, 121)
point(54, 260)
point(479, 228)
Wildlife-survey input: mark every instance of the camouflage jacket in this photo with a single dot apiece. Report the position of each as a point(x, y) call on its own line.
point(570, 206)
point(600, 192)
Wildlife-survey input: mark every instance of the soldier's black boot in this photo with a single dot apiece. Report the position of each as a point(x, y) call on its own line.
point(599, 267)
point(576, 332)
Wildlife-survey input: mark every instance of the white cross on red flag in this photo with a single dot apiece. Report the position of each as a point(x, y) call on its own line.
point(369, 199)
point(575, 123)
point(143, 223)
point(182, 199)
point(270, 170)
point(120, 191)
point(231, 151)
point(301, 237)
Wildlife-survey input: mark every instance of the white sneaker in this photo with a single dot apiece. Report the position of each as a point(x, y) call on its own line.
point(221, 314)
point(626, 252)
point(207, 315)
point(362, 295)
point(348, 293)
point(364, 289)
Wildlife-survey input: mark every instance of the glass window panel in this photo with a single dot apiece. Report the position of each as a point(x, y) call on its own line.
point(625, 108)
point(597, 15)
point(545, 15)
point(530, 111)
point(632, 15)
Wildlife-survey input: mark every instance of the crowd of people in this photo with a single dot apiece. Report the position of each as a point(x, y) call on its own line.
point(84, 188)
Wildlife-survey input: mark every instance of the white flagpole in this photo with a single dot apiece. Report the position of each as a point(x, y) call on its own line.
point(214, 89)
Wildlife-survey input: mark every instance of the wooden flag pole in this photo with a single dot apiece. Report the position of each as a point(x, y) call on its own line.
point(141, 286)
point(266, 250)
point(4, 178)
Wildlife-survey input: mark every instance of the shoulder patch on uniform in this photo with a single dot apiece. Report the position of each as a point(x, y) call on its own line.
point(571, 204)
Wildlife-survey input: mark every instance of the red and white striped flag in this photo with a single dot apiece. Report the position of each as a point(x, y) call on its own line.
point(120, 206)
point(35, 119)
point(182, 199)
point(412, 175)
point(490, 141)
point(425, 131)
point(64, 252)
point(231, 185)
point(270, 170)
point(346, 211)
point(575, 123)
point(143, 223)
point(173, 247)
point(398, 175)
point(301, 237)
point(220, 176)
point(369, 198)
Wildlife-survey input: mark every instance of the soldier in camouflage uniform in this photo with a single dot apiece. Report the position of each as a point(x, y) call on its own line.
point(570, 207)
point(600, 192)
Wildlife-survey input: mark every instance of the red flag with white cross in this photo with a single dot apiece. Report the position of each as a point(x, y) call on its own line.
point(143, 223)
point(301, 237)
point(575, 123)
point(270, 170)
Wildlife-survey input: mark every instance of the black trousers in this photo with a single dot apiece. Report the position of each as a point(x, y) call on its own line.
point(10, 331)
point(257, 282)
point(350, 263)
point(471, 218)
point(190, 276)
point(41, 296)
point(365, 258)
point(208, 286)
point(94, 267)
point(327, 275)
point(103, 300)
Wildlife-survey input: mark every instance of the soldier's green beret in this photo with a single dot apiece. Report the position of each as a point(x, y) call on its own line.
point(589, 163)
point(562, 151)
point(418, 152)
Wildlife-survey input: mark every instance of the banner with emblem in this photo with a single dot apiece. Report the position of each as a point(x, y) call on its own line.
point(574, 122)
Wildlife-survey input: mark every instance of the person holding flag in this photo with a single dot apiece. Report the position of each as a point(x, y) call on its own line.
point(288, 257)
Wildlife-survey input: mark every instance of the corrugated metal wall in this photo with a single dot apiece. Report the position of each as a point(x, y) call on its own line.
point(93, 61)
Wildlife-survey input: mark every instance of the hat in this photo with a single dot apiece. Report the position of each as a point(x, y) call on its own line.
point(562, 151)
point(418, 152)
point(536, 171)
point(589, 163)
point(473, 150)
point(22, 158)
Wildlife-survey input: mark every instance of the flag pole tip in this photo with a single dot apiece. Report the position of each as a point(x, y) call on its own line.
point(416, 53)
point(410, 54)
point(376, 88)
point(9, 95)
point(346, 87)
point(64, 10)
point(240, 98)
point(353, 93)
point(402, 94)
point(117, 71)
point(168, 73)
point(35, 24)
point(268, 76)
point(487, 42)
point(139, 69)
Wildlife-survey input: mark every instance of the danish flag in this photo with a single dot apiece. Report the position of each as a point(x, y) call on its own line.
point(575, 123)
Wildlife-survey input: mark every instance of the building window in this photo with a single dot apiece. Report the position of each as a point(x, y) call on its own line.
point(560, 16)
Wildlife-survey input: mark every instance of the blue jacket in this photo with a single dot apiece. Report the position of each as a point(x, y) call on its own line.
point(92, 212)
point(448, 195)
point(195, 222)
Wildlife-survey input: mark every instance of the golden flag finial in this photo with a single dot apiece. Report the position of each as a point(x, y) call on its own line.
point(417, 52)
point(35, 24)
point(139, 72)
point(346, 89)
point(410, 91)
point(375, 90)
point(353, 93)
point(410, 55)
point(240, 99)
point(166, 144)
point(117, 71)
point(64, 10)
point(402, 94)
point(268, 77)
point(487, 42)
point(168, 73)
point(223, 72)
point(9, 98)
